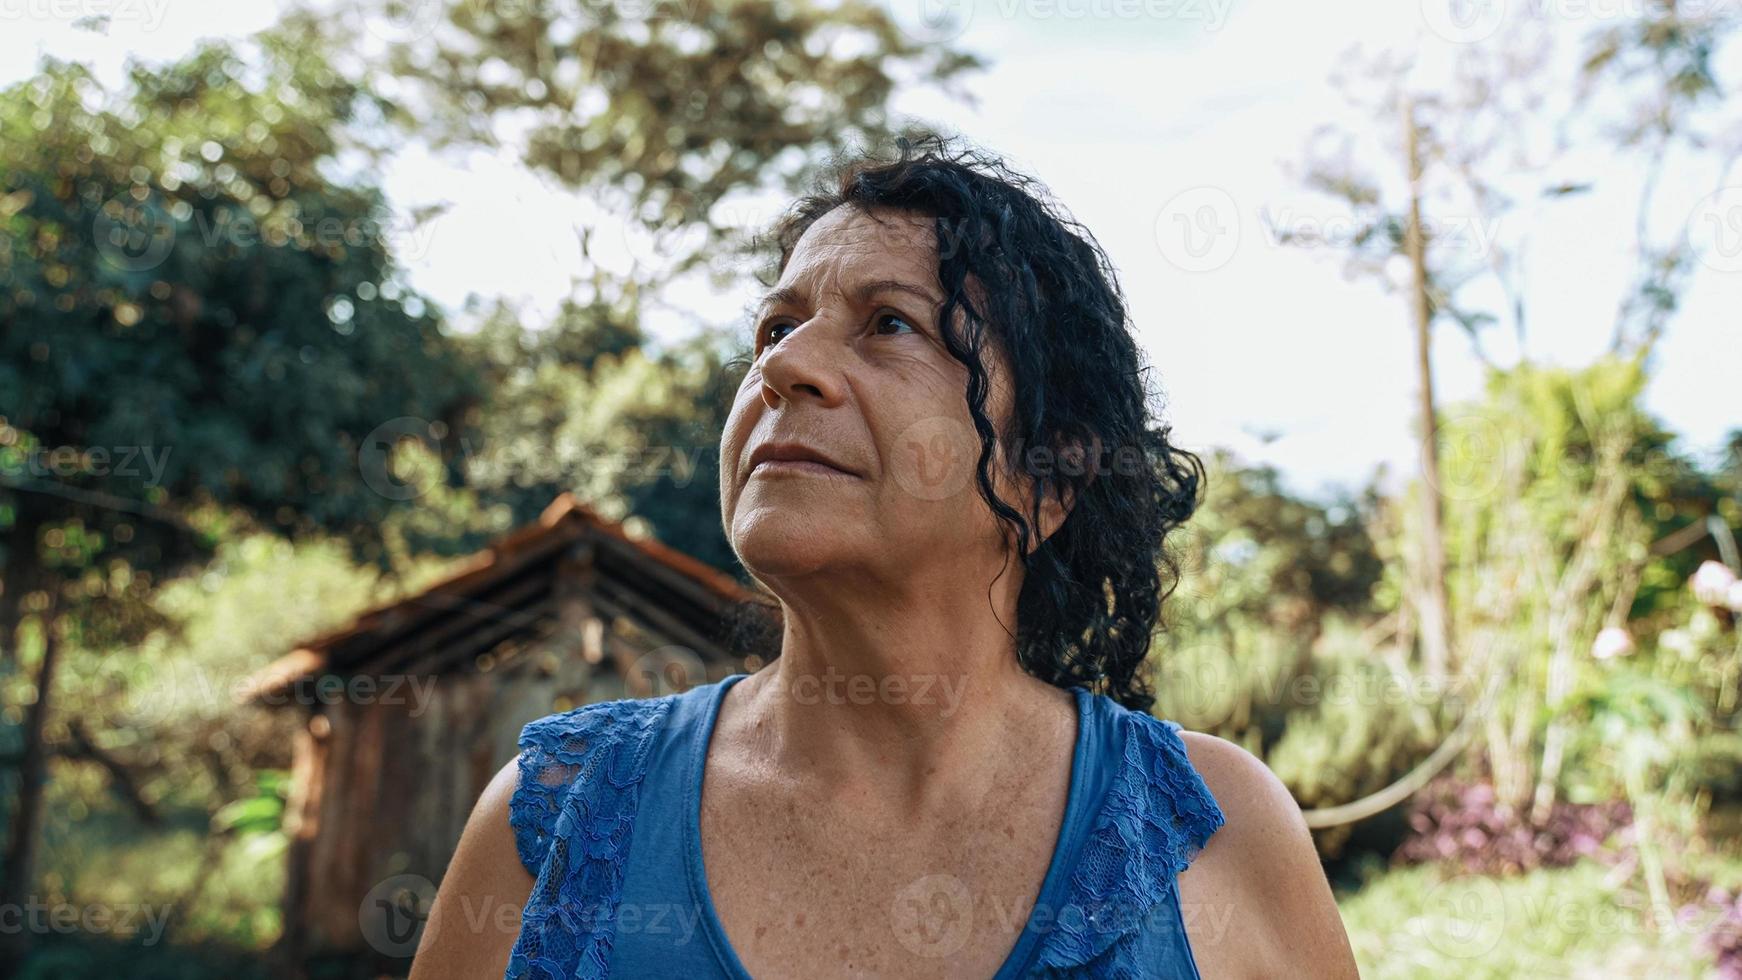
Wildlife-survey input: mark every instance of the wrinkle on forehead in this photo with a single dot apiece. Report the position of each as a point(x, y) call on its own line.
point(900, 241)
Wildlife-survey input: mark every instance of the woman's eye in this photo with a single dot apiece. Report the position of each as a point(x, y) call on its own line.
point(771, 334)
point(885, 320)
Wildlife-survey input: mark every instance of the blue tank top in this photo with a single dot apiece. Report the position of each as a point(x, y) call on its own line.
point(607, 811)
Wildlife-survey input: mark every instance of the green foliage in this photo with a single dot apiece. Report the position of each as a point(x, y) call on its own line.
point(1428, 921)
point(1554, 486)
point(584, 405)
point(262, 813)
point(1264, 644)
point(196, 887)
point(195, 312)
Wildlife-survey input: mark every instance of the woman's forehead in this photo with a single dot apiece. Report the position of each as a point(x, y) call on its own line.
point(899, 244)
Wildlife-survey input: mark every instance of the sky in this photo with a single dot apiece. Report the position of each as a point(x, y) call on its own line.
point(1171, 129)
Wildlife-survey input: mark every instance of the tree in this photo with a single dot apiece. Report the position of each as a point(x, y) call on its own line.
point(658, 110)
point(199, 331)
point(1472, 151)
point(585, 404)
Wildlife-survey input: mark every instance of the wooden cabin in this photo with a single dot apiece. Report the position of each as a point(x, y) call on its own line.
point(408, 711)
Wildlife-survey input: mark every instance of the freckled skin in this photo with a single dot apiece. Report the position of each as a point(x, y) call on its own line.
point(813, 842)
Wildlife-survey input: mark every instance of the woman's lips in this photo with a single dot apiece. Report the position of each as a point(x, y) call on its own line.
point(796, 467)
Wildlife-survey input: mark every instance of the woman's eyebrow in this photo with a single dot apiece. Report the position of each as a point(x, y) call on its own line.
point(792, 295)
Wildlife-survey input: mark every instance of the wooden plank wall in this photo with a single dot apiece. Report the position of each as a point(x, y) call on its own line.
point(385, 789)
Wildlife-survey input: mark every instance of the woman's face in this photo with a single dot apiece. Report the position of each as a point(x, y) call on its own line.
point(850, 363)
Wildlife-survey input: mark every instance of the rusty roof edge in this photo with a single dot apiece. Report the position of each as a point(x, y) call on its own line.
point(268, 683)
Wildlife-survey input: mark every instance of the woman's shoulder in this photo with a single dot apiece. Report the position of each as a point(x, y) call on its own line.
point(1260, 866)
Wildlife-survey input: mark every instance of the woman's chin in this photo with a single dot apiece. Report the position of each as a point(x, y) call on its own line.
point(771, 549)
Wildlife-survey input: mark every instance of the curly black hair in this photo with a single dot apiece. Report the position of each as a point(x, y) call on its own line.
point(1093, 591)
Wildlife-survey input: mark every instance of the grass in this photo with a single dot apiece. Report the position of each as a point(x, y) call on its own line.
point(141, 878)
point(1585, 921)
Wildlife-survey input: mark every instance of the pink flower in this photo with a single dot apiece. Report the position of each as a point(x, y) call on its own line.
point(1711, 582)
point(1612, 642)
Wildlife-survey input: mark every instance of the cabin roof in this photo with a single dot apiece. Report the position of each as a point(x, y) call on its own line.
point(508, 588)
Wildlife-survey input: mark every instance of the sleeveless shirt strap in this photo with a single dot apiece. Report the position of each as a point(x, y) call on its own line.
point(572, 812)
point(1156, 818)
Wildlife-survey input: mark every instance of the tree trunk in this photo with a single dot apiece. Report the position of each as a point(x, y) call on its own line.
point(18, 874)
point(1436, 639)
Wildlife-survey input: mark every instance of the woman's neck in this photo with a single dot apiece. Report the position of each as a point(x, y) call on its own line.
point(896, 701)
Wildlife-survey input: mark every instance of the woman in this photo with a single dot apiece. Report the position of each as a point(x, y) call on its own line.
point(943, 463)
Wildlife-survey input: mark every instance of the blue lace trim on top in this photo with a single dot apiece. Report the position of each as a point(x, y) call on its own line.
point(1156, 818)
point(574, 808)
point(572, 812)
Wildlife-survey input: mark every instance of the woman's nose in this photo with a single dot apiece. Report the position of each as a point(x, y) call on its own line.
point(805, 364)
